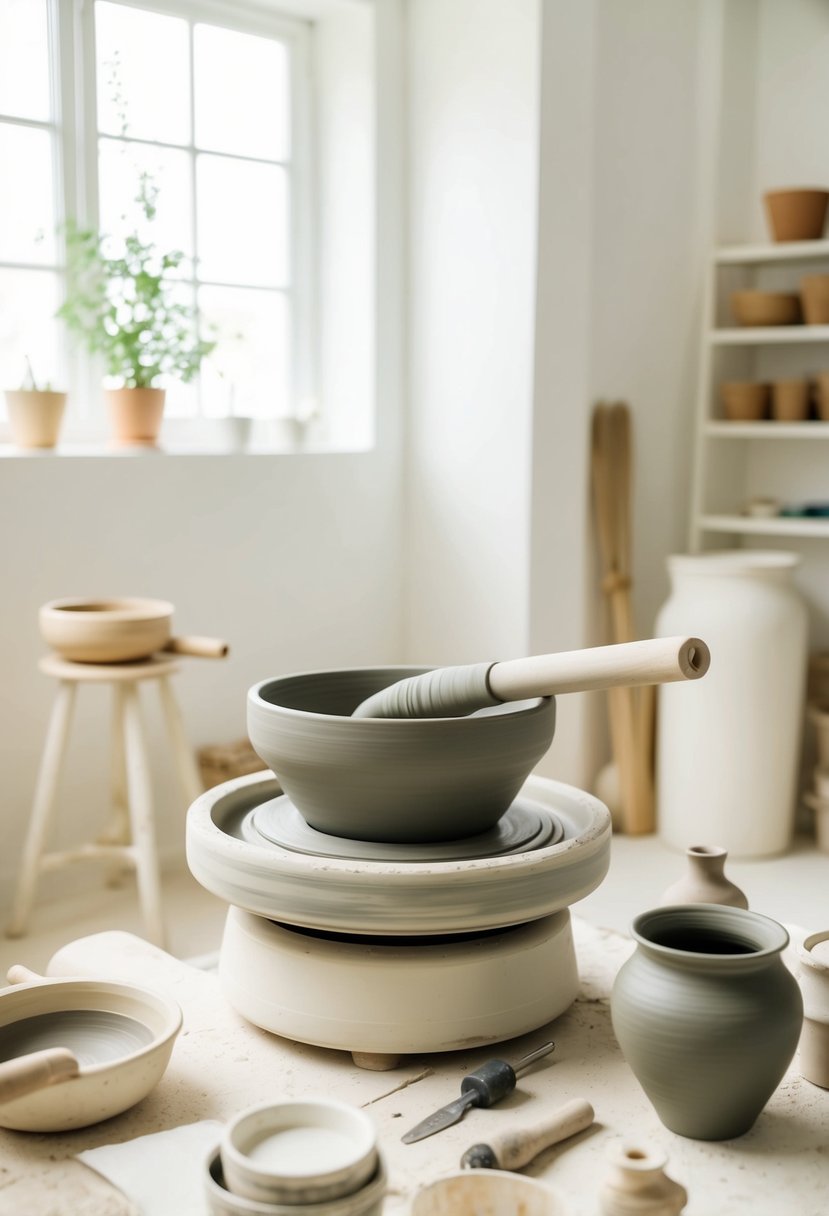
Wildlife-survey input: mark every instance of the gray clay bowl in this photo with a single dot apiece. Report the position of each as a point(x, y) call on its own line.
point(393, 779)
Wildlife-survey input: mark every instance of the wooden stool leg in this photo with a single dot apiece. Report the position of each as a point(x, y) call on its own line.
point(118, 829)
point(188, 772)
point(139, 792)
point(43, 806)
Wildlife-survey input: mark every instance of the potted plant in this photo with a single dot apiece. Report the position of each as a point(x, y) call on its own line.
point(35, 414)
point(121, 301)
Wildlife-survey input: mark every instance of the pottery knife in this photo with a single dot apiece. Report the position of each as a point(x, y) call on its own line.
point(483, 1087)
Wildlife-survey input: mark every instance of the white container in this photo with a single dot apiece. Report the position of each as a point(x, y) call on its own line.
point(813, 975)
point(728, 747)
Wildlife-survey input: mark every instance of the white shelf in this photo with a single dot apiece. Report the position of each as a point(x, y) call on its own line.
point(760, 335)
point(777, 526)
point(788, 251)
point(767, 430)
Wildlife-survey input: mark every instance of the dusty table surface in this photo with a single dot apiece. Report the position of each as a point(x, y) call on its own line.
point(221, 1064)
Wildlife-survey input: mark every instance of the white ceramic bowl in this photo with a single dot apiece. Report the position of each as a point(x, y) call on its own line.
point(299, 1152)
point(100, 1090)
point(488, 1193)
point(368, 1201)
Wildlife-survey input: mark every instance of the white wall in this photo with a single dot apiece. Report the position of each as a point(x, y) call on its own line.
point(473, 132)
point(294, 560)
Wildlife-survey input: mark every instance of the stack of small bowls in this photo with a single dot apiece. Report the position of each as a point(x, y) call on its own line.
point(297, 1158)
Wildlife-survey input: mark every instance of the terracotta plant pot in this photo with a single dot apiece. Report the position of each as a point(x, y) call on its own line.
point(35, 417)
point(744, 400)
point(821, 396)
point(796, 215)
point(790, 400)
point(136, 414)
point(766, 307)
point(814, 294)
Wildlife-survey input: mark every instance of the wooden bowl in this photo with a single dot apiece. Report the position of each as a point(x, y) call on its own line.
point(744, 400)
point(106, 630)
point(766, 307)
point(796, 215)
point(393, 779)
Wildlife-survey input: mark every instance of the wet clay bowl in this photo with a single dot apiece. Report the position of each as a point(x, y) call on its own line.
point(221, 1201)
point(299, 1152)
point(393, 779)
point(117, 630)
point(122, 1036)
point(488, 1193)
point(766, 307)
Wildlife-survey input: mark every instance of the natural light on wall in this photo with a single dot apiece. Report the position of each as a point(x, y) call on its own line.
point(257, 134)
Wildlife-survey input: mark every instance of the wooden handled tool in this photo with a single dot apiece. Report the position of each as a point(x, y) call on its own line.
point(512, 1150)
point(453, 691)
point(199, 648)
point(25, 1074)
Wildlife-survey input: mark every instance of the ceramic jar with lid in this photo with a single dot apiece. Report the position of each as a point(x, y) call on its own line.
point(728, 746)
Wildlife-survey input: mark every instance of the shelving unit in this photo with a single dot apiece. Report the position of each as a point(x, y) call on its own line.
point(732, 459)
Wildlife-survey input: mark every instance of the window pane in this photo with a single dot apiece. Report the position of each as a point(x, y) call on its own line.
point(24, 59)
point(242, 100)
point(120, 167)
point(28, 301)
point(27, 224)
point(143, 74)
point(248, 372)
point(242, 221)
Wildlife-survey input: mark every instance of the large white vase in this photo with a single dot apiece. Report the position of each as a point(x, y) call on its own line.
point(728, 746)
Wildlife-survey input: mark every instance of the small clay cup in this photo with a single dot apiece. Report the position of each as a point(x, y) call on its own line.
point(744, 400)
point(814, 295)
point(393, 779)
point(796, 215)
point(35, 417)
point(790, 400)
point(299, 1152)
point(766, 307)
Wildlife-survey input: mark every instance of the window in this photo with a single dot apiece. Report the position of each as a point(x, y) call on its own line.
point(209, 100)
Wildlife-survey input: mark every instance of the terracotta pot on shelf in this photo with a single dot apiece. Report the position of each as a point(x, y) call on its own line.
point(35, 416)
point(766, 307)
point(790, 400)
point(820, 395)
point(814, 294)
point(136, 415)
point(744, 400)
point(796, 215)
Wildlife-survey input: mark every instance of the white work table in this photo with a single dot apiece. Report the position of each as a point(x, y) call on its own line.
point(220, 1065)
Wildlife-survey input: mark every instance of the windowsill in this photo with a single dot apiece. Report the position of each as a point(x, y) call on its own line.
point(102, 451)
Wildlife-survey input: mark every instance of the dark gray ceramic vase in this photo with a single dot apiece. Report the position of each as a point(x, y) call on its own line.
point(707, 1016)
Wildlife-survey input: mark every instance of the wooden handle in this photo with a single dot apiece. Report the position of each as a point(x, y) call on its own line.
point(26, 1074)
point(199, 648)
point(655, 661)
point(511, 1150)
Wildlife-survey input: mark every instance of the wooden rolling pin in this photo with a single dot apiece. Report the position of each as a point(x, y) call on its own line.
point(512, 1150)
point(198, 647)
point(451, 692)
point(25, 1074)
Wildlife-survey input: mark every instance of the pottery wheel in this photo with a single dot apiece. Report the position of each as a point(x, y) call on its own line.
point(526, 825)
point(391, 897)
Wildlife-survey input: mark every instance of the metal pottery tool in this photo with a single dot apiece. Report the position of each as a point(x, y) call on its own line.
point(483, 1087)
point(512, 1150)
point(455, 691)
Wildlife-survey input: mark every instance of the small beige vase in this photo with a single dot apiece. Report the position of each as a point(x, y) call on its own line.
point(136, 415)
point(704, 880)
point(637, 1185)
point(35, 417)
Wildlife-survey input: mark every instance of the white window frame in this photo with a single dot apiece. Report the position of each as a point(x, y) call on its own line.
point(73, 63)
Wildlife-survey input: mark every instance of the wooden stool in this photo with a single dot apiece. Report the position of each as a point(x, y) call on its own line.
point(129, 840)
